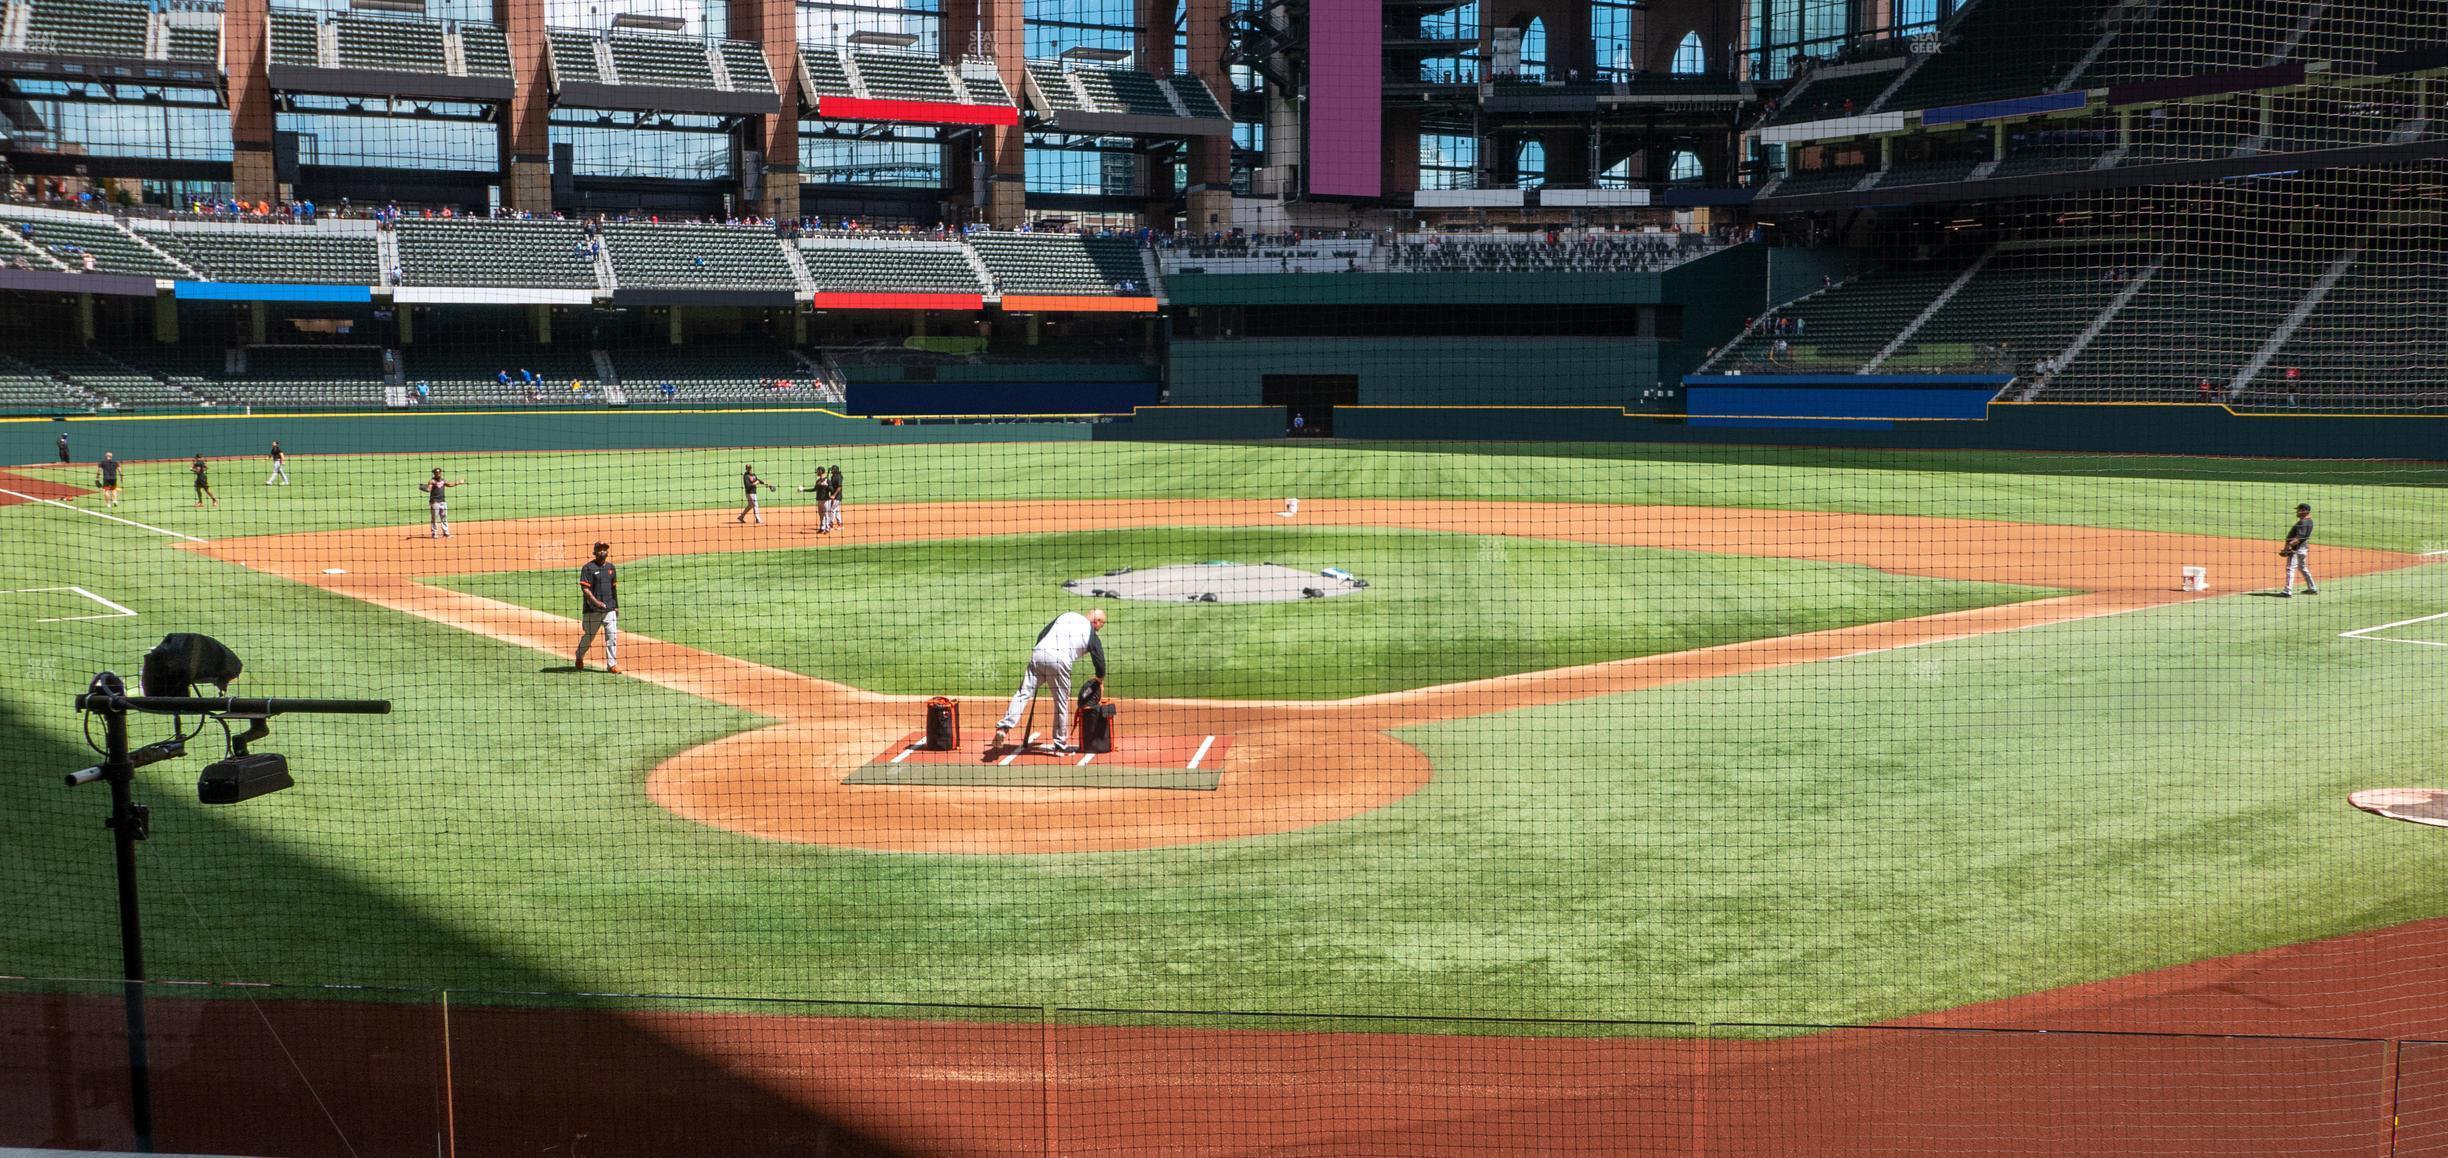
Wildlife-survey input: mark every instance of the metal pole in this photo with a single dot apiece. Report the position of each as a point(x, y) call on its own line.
point(129, 823)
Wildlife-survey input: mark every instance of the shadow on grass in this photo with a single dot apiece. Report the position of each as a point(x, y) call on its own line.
point(315, 1065)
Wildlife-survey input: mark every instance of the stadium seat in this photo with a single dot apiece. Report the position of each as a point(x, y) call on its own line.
point(698, 256)
point(69, 239)
point(108, 28)
point(1061, 264)
point(1999, 50)
point(486, 51)
point(906, 77)
point(1842, 328)
point(669, 61)
point(271, 253)
point(888, 267)
point(726, 372)
point(389, 43)
point(477, 252)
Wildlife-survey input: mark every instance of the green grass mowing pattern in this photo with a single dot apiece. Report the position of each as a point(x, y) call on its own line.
point(959, 616)
point(2392, 505)
point(1837, 842)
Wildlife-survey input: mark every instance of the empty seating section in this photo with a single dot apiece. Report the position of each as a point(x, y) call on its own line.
point(2204, 316)
point(2025, 305)
point(110, 379)
point(984, 88)
point(27, 387)
point(114, 28)
point(2056, 147)
point(2338, 117)
point(273, 253)
point(825, 73)
point(573, 58)
point(1841, 329)
point(1138, 92)
point(1055, 85)
point(697, 256)
point(389, 43)
point(469, 375)
point(2192, 37)
point(2002, 49)
point(1835, 96)
point(113, 249)
point(2357, 34)
point(903, 77)
point(746, 64)
point(671, 61)
point(709, 373)
point(2191, 132)
point(15, 249)
point(1060, 264)
point(889, 267)
point(1116, 90)
point(1798, 182)
point(1531, 253)
point(2374, 341)
point(294, 39)
point(1195, 97)
point(540, 254)
point(486, 52)
point(1939, 168)
point(305, 377)
point(195, 43)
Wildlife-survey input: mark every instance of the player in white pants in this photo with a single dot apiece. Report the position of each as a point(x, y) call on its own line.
point(599, 584)
point(1058, 647)
point(2298, 552)
point(437, 503)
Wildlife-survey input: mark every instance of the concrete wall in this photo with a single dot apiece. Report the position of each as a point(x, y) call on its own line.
point(1425, 371)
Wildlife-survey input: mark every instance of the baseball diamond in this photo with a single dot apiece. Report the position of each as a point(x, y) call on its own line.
point(1043, 578)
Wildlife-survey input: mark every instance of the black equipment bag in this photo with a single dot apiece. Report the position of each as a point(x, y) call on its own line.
point(1095, 719)
point(942, 724)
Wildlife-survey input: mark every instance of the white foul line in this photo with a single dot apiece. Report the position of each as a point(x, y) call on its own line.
point(1201, 754)
point(1032, 738)
point(1085, 759)
point(2366, 632)
point(100, 515)
point(116, 611)
point(2428, 554)
point(905, 753)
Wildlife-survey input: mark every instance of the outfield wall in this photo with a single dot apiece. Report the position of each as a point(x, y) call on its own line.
point(2139, 428)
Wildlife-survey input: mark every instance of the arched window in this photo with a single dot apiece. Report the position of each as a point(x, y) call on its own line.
point(1690, 58)
point(1534, 50)
point(1684, 167)
point(1530, 165)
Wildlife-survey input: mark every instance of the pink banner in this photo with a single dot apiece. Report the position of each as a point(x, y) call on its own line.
point(1346, 98)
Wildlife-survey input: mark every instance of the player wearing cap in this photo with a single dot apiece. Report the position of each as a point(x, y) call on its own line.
point(599, 585)
point(1058, 647)
point(2298, 551)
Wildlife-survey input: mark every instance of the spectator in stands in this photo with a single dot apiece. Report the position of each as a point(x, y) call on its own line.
point(2204, 390)
point(399, 274)
point(502, 376)
point(89, 263)
point(667, 391)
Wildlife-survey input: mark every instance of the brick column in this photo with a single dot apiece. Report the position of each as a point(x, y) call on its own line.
point(1210, 197)
point(1006, 158)
point(526, 132)
point(243, 25)
point(774, 26)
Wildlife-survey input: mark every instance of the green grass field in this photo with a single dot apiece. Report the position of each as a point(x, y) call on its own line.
point(1838, 842)
point(955, 617)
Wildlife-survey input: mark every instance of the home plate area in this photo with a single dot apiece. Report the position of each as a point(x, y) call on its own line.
point(1181, 763)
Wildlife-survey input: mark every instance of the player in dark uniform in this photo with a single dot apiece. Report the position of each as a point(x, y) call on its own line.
point(280, 466)
point(203, 483)
point(2298, 551)
point(749, 482)
point(437, 504)
point(106, 476)
point(63, 448)
point(599, 585)
point(831, 520)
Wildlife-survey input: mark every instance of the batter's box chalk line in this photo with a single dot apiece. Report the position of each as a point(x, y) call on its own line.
point(116, 611)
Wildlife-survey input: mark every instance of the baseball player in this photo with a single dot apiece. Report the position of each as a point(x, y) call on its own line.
point(203, 481)
point(106, 476)
point(2297, 553)
point(830, 519)
point(437, 502)
point(599, 584)
point(1058, 647)
point(63, 447)
point(750, 483)
point(280, 466)
point(823, 490)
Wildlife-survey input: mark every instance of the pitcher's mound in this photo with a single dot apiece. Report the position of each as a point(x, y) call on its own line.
point(1215, 583)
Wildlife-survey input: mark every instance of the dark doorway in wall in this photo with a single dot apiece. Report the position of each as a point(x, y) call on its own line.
point(1309, 400)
